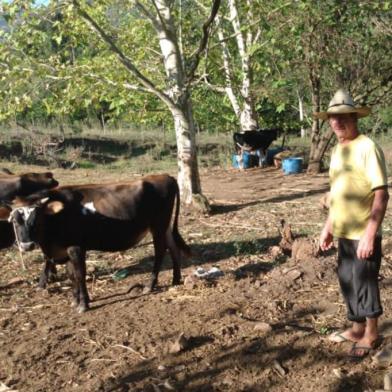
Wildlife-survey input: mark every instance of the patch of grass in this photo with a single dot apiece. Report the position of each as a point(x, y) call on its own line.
point(324, 330)
point(86, 165)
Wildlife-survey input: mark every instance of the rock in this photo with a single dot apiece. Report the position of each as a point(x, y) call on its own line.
point(4, 388)
point(294, 274)
point(162, 368)
point(258, 283)
point(180, 344)
point(339, 373)
point(91, 269)
point(190, 282)
point(168, 385)
point(264, 328)
point(13, 282)
point(279, 368)
point(275, 251)
point(383, 358)
point(388, 381)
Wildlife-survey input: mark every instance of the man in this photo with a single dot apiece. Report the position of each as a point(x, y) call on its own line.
point(359, 198)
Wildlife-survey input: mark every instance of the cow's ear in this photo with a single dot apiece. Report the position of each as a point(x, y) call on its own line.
point(54, 207)
point(4, 213)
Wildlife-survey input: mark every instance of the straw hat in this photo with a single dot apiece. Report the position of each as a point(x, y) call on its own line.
point(342, 103)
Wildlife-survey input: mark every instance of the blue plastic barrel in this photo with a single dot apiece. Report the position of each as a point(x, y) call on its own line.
point(292, 165)
point(249, 160)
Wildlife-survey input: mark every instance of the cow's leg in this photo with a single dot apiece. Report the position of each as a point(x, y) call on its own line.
point(49, 272)
point(75, 289)
point(175, 254)
point(77, 262)
point(159, 240)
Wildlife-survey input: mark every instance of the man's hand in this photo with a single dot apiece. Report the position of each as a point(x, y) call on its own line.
point(326, 239)
point(365, 247)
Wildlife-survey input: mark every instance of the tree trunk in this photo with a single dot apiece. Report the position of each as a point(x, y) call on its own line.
point(248, 115)
point(301, 115)
point(188, 173)
point(314, 165)
point(181, 110)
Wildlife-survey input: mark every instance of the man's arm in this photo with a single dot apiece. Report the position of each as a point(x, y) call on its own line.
point(366, 243)
point(326, 237)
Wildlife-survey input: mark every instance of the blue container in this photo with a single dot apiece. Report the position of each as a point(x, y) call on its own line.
point(249, 160)
point(292, 165)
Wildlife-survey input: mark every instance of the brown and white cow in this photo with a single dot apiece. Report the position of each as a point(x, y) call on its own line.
point(70, 220)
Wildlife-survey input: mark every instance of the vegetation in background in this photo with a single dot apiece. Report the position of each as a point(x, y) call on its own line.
point(280, 57)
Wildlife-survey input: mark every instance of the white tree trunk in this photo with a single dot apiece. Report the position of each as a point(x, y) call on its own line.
point(228, 73)
point(188, 173)
point(177, 94)
point(301, 115)
point(181, 109)
point(248, 116)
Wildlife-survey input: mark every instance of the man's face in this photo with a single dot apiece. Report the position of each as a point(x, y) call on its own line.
point(344, 125)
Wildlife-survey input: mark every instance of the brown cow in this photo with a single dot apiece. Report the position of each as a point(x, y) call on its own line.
point(70, 220)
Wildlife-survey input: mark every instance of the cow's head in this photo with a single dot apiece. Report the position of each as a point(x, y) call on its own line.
point(27, 221)
point(33, 182)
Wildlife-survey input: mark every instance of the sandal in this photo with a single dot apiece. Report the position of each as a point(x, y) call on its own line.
point(337, 337)
point(354, 355)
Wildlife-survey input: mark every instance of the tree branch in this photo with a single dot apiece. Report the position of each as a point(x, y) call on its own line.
point(146, 83)
point(203, 42)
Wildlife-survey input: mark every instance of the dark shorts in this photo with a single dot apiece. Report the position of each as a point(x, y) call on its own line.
point(358, 280)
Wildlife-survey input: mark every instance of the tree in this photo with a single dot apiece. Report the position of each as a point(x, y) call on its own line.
point(110, 23)
point(338, 44)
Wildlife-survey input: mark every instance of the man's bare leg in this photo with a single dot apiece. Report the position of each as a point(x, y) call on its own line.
point(356, 332)
point(368, 339)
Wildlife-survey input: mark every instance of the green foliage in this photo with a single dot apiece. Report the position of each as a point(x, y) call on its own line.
point(54, 68)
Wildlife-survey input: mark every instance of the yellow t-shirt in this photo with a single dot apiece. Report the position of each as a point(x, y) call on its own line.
point(356, 169)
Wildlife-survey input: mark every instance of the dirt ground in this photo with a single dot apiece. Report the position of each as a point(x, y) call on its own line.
point(261, 326)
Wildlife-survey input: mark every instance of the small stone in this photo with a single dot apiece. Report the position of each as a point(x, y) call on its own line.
point(276, 251)
point(91, 269)
point(258, 283)
point(180, 344)
point(339, 373)
point(388, 381)
point(264, 328)
point(162, 368)
point(4, 388)
point(190, 281)
point(168, 385)
point(294, 274)
point(279, 368)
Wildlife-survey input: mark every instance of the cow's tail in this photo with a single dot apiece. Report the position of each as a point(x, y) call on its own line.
point(176, 235)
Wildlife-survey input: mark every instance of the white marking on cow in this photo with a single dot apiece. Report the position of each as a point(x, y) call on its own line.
point(24, 211)
point(88, 208)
